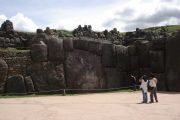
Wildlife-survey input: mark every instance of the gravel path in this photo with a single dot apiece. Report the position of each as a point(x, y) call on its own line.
point(105, 106)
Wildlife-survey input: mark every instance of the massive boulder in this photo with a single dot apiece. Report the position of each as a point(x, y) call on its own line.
point(7, 26)
point(108, 55)
point(81, 44)
point(83, 70)
point(29, 84)
point(55, 49)
point(95, 46)
point(40, 36)
point(158, 44)
point(123, 60)
point(49, 31)
point(15, 84)
point(39, 52)
point(131, 50)
point(143, 47)
point(173, 63)
point(157, 63)
point(3, 74)
point(47, 76)
point(68, 44)
point(115, 78)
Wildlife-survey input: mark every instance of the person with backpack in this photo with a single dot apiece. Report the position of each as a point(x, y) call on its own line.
point(153, 88)
point(143, 80)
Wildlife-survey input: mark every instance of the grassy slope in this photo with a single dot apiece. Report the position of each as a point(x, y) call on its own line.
point(171, 28)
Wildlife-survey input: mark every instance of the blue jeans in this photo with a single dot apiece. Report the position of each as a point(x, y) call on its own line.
point(145, 96)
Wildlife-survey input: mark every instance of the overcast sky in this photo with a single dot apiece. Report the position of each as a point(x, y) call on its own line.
point(125, 15)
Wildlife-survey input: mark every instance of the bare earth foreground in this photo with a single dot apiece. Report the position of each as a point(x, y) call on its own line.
point(105, 106)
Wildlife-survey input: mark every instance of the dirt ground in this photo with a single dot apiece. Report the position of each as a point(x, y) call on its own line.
point(103, 106)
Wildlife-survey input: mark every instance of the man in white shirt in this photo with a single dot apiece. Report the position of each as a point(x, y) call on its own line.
point(143, 88)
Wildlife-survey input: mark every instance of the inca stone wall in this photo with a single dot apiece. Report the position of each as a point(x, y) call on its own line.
point(87, 61)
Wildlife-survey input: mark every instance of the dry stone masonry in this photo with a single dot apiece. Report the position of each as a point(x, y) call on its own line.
point(46, 61)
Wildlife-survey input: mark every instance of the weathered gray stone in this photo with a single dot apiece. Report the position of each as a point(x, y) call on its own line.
point(3, 74)
point(68, 44)
point(134, 63)
point(47, 76)
point(39, 52)
point(112, 77)
point(83, 70)
point(95, 47)
point(131, 50)
point(173, 63)
point(15, 84)
point(158, 44)
point(108, 55)
point(81, 44)
point(157, 64)
point(7, 26)
point(55, 49)
point(29, 84)
point(143, 52)
point(123, 60)
point(38, 38)
point(49, 31)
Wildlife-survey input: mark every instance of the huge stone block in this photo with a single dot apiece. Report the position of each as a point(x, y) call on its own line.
point(95, 47)
point(112, 78)
point(39, 37)
point(68, 44)
point(134, 63)
point(81, 44)
point(157, 63)
point(173, 63)
point(131, 50)
point(7, 26)
point(83, 70)
point(38, 52)
point(143, 47)
point(15, 84)
point(29, 84)
point(3, 74)
point(47, 76)
point(158, 44)
point(123, 60)
point(55, 49)
point(108, 55)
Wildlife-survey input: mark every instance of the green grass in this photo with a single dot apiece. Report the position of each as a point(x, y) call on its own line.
point(65, 33)
point(12, 50)
point(171, 28)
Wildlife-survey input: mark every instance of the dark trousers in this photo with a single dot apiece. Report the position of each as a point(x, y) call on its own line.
point(153, 93)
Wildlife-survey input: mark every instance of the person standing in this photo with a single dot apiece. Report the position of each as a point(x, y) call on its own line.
point(133, 82)
point(143, 80)
point(153, 91)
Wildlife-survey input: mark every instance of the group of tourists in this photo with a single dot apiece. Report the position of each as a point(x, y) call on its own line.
point(147, 84)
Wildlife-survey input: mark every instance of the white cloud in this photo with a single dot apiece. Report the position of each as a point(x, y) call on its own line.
point(144, 13)
point(2, 18)
point(23, 23)
point(107, 14)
